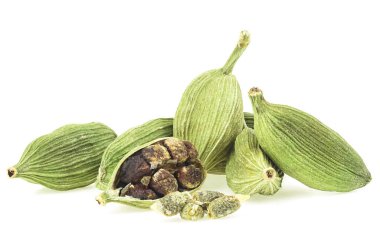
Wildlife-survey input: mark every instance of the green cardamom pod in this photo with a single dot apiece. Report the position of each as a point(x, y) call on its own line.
point(151, 130)
point(249, 170)
point(306, 149)
point(210, 113)
point(65, 159)
point(153, 170)
point(129, 140)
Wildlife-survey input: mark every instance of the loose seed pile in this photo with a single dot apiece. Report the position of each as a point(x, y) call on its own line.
point(162, 163)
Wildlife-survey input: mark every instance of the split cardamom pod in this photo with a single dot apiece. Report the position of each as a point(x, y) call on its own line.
point(210, 113)
point(151, 130)
point(65, 159)
point(306, 149)
point(134, 137)
point(249, 170)
point(154, 170)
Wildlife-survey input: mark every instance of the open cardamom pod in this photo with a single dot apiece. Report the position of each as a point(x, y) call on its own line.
point(65, 159)
point(305, 148)
point(210, 113)
point(153, 170)
point(134, 137)
point(249, 170)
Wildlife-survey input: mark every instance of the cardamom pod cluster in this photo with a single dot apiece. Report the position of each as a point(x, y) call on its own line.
point(305, 148)
point(193, 206)
point(162, 163)
point(210, 113)
point(154, 170)
point(249, 170)
point(65, 159)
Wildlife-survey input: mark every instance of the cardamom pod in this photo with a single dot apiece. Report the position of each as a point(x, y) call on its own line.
point(249, 170)
point(210, 113)
point(151, 130)
point(134, 137)
point(153, 170)
point(306, 149)
point(65, 159)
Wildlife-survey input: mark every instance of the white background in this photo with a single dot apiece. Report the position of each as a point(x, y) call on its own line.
point(125, 63)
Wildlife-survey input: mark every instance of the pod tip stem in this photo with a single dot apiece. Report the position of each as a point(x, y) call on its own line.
point(254, 92)
point(244, 39)
point(12, 172)
point(102, 199)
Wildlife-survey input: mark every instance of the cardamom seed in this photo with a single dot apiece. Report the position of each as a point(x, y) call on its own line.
point(305, 148)
point(249, 170)
point(171, 204)
point(65, 159)
point(225, 205)
point(212, 122)
point(205, 197)
point(192, 211)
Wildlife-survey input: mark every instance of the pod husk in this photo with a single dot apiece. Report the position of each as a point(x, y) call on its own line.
point(305, 148)
point(65, 159)
point(249, 170)
point(210, 113)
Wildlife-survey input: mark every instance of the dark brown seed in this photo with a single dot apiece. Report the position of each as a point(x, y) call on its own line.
point(171, 167)
point(133, 169)
point(156, 155)
point(190, 176)
point(191, 150)
point(162, 182)
point(138, 191)
point(177, 149)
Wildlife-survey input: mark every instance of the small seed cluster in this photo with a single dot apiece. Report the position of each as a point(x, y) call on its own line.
point(163, 167)
point(193, 206)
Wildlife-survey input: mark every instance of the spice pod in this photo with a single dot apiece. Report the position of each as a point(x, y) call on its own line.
point(249, 170)
point(305, 148)
point(66, 158)
point(210, 113)
point(129, 140)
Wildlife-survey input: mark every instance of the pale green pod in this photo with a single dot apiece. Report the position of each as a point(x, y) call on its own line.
point(134, 137)
point(65, 159)
point(249, 170)
point(210, 113)
point(306, 149)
